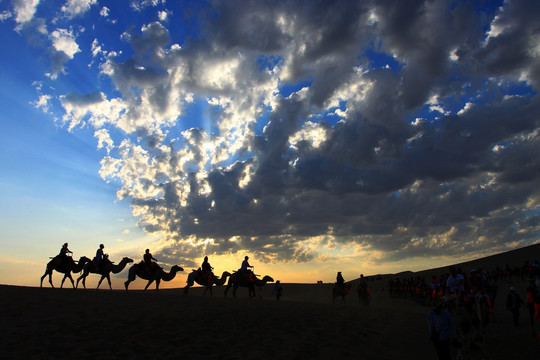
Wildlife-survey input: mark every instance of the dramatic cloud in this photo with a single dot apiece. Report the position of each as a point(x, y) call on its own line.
point(408, 128)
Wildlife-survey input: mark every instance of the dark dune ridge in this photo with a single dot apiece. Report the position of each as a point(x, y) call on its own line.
point(305, 324)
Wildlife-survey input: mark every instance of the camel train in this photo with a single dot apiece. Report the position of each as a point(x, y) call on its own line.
point(147, 270)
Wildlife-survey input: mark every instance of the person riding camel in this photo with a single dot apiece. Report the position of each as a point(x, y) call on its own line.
point(63, 255)
point(340, 281)
point(205, 266)
point(245, 268)
point(147, 257)
point(99, 256)
point(206, 270)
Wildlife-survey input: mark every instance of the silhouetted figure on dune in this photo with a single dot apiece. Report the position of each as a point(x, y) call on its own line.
point(278, 289)
point(513, 304)
point(442, 331)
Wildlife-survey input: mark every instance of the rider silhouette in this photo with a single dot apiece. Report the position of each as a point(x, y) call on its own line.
point(339, 280)
point(205, 266)
point(63, 254)
point(99, 256)
point(206, 269)
point(244, 268)
point(245, 265)
point(147, 257)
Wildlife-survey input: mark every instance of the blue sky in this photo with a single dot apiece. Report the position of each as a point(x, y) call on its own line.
point(361, 137)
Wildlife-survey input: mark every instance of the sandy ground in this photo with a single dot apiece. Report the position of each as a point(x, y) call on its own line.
point(45, 323)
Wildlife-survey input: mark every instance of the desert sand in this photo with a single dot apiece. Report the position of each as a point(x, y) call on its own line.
point(45, 323)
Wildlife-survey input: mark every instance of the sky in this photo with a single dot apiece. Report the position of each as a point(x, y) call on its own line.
point(312, 136)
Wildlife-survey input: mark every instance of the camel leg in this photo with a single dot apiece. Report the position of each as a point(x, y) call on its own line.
point(131, 277)
point(79, 279)
point(157, 284)
point(83, 278)
point(68, 276)
point(100, 281)
point(149, 282)
point(109, 281)
point(226, 290)
point(63, 280)
point(47, 272)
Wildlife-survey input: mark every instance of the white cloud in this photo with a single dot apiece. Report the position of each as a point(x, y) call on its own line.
point(64, 40)
point(104, 140)
point(104, 11)
point(74, 8)
point(43, 103)
point(24, 10)
point(313, 133)
point(163, 15)
point(5, 15)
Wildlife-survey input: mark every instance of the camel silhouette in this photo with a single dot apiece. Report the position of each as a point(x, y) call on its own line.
point(156, 274)
point(65, 267)
point(242, 278)
point(342, 291)
point(202, 278)
point(105, 270)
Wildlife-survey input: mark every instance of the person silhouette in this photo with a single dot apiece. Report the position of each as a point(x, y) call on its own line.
point(442, 331)
point(63, 255)
point(99, 256)
point(205, 266)
point(340, 281)
point(278, 289)
point(147, 257)
point(245, 265)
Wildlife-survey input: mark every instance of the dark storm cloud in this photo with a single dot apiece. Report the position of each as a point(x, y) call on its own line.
point(393, 174)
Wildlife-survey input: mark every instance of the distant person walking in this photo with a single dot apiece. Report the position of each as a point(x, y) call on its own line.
point(442, 331)
point(513, 303)
point(532, 294)
point(456, 281)
point(277, 290)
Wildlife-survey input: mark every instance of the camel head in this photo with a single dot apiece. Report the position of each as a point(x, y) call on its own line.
point(84, 260)
point(177, 268)
point(267, 279)
point(127, 260)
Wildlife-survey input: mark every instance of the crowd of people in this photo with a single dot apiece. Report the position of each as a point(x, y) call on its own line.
point(454, 288)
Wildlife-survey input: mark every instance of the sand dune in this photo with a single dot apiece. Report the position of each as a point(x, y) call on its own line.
point(304, 324)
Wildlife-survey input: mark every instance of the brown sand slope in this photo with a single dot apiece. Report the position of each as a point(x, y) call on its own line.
point(304, 324)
